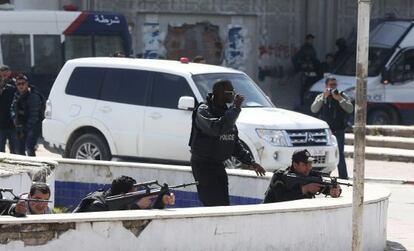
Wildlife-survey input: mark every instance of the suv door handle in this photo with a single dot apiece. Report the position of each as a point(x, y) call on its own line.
point(105, 109)
point(155, 115)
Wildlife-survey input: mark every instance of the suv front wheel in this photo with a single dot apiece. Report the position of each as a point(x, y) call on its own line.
point(90, 146)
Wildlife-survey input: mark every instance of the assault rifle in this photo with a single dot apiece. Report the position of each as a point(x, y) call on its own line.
point(6, 203)
point(17, 198)
point(326, 181)
point(121, 201)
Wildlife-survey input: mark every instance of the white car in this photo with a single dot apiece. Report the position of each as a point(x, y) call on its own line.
point(101, 108)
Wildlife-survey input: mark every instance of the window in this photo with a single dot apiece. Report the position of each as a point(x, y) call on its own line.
point(125, 86)
point(86, 82)
point(403, 68)
point(48, 54)
point(16, 52)
point(242, 84)
point(105, 46)
point(167, 90)
point(78, 46)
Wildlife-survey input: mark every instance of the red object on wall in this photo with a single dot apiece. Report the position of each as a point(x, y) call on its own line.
point(70, 7)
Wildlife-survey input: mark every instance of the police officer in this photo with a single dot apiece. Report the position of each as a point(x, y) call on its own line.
point(27, 113)
point(283, 188)
point(38, 191)
point(214, 139)
point(333, 107)
point(7, 90)
point(95, 202)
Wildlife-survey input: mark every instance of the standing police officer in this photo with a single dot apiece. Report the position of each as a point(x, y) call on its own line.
point(214, 139)
point(333, 107)
point(27, 113)
point(7, 129)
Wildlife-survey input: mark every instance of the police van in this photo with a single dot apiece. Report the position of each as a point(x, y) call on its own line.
point(100, 108)
point(390, 86)
point(38, 42)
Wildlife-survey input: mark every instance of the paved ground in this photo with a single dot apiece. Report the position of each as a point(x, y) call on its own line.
point(383, 170)
point(400, 227)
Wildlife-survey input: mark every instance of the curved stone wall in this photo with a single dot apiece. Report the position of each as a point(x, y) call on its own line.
point(317, 224)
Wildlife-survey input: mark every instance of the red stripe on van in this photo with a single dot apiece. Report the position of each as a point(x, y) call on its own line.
point(404, 106)
point(75, 24)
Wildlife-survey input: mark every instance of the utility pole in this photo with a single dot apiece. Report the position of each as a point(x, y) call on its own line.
point(360, 122)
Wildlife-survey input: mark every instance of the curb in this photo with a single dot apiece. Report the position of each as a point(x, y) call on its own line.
point(383, 141)
point(382, 157)
point(398, 131)
point(390, 181)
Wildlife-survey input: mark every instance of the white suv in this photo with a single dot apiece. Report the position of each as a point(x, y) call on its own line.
point(101, 108)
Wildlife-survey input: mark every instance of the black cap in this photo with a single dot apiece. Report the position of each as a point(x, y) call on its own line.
point(21, 76)
point(4, 68)
point(302, 156)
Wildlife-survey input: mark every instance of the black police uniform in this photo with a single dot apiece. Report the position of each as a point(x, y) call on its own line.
point(96, 202)
point(28, 112)
point(7, 130)
point(214, 139)
point(282, 188)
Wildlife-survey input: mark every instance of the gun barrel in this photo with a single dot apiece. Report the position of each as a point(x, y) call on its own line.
point(10, 190)
point(146, 183)
point(344, 184)
point(184, 185)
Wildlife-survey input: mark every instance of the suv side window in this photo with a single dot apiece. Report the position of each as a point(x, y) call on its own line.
point(85, 82)
point(125, 86)
point(167, 90)
point(403, 68)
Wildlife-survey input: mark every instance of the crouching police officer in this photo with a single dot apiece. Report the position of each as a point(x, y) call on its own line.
point(96, 201)
point(285, 187)
point(214, 139)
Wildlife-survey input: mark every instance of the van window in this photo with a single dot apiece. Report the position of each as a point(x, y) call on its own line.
point(78, 46)
point(167, 90)
point(105, 46)
point(125, 86)
point(85, 82)
point(16, 52)
point(403, 68)
point(47, 54)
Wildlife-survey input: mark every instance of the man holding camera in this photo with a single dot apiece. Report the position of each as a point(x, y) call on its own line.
point(333, 107)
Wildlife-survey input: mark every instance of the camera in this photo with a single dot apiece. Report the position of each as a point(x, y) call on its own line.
point(333, 91)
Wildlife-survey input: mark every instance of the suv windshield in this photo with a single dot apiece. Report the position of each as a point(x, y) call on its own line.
point(242, 84)
point(382, 39)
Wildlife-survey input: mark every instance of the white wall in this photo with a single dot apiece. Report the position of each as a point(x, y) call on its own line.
point(316, 224)
point(319, 224)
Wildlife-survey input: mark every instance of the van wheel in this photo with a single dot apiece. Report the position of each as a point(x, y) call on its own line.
point(90, 146)
point(382, 117)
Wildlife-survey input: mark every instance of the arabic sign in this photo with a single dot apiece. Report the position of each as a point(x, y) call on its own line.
point(106, 20)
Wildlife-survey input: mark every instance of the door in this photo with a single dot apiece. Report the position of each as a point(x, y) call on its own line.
point(401, 89)
point(167, 129)
point(121, 107)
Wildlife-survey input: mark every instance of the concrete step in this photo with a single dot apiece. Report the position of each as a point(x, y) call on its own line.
point(391, 130)
point(383, 154)
point(384, 141)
